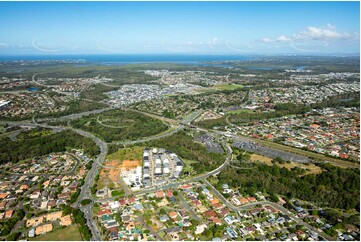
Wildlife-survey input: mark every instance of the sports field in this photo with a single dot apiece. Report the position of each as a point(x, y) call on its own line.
point(70, 233)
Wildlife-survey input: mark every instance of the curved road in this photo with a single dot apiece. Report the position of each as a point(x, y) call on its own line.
point(275, 205)
point(90, 177)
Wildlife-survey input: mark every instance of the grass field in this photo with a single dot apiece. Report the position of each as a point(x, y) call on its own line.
point(238, 111)
point(221, 87)
point(312, 168)
point(70, 233)
point(261, 158)
point(227, 87)
point(104, 181)
point(117, 193)
point(333, 161)
point(132, 153)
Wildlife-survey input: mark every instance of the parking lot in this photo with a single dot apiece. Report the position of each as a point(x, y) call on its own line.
point(269, 152)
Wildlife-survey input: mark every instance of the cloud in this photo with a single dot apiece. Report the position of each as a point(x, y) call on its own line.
point(213, 42)
point(4, 46)
point(266, 40)
point(281, 38)
point(327, 33)
point(43, 49)
point(312, 36)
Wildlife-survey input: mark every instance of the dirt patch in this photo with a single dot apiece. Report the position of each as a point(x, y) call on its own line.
point(261, 158)
point(110, 176)
point(130, 164)
point(310, 168)
point(156, 225)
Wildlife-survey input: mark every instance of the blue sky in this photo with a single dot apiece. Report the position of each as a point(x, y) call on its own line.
point(179, 27)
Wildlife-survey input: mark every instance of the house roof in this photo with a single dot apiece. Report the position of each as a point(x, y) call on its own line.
point(196, 202)
point(65, 221)
point(3, 195)
point(186, 186)
point(210, 213)
point(173, 214)
point(9, 213)
point(169, 193)
point(214, 201)
point(106, 211)
point(159, 194)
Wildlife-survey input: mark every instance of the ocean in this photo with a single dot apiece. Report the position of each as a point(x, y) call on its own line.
point(124, 59)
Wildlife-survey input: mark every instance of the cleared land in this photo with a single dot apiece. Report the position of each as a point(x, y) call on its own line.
point(104, 180)
point(310, 168)
point(123, 159)
point(227, 87)
point(70, 233)
point(238, 111)
point(109, 176)
point(312, 155)
point(132, 153)
point(221, 87)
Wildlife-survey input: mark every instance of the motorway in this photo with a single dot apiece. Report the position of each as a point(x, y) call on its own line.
point(90, 177)
point(85, 192)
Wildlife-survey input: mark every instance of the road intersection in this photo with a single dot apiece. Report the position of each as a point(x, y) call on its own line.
point(100, 159)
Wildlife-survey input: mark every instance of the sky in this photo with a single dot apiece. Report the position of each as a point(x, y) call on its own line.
point(179, 28)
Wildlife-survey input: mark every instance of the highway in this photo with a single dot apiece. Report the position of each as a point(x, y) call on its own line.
point(90, 177)
point(73, 116)
point(85, 192)
point(166, 133)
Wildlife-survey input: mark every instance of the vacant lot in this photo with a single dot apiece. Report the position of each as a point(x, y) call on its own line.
point(312, 155)
point(311, 168)
point(261, 158)
point(227, 86)
point(221, 87)
point(238, 111)
point(70, 233)
point(132, 153)
point(123, 159)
